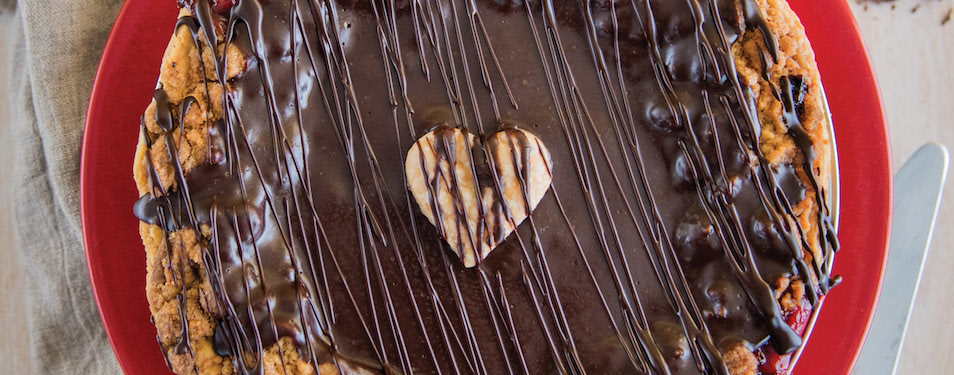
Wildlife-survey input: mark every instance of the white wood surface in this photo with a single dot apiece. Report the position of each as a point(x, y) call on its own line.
point(912, 53)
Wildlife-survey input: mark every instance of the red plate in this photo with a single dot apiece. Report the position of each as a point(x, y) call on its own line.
point(127, 77)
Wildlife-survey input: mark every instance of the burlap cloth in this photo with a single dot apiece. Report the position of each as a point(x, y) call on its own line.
point(56, 47)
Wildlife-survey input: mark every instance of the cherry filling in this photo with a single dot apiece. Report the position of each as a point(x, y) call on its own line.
point(780, 364)
point(222, 6)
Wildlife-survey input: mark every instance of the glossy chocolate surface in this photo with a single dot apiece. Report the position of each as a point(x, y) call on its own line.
point(653, 251)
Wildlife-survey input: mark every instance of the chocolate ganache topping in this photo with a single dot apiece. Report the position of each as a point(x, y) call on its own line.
point(656, 247)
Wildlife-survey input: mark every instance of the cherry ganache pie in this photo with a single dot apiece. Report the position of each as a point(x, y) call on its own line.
point(485, 186)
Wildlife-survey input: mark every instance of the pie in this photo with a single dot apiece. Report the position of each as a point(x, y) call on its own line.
point(485, 186)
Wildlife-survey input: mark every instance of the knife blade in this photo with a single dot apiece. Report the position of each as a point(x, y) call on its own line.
point(917, 196)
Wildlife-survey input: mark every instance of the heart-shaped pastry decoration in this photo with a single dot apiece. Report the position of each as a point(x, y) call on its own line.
point(476, 192)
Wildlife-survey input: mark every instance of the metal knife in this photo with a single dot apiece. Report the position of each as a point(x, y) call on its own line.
point(917, 196)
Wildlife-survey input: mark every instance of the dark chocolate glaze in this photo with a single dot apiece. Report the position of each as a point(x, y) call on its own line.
point(653, 251)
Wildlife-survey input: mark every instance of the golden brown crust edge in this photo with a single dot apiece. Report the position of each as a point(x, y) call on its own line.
point(796, 58)
point(181, 75)
point(174, 259)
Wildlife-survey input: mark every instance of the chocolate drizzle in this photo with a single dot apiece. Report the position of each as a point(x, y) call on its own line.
point(657, 246)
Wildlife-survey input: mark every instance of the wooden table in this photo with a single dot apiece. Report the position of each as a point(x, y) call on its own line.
point(912, 48)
